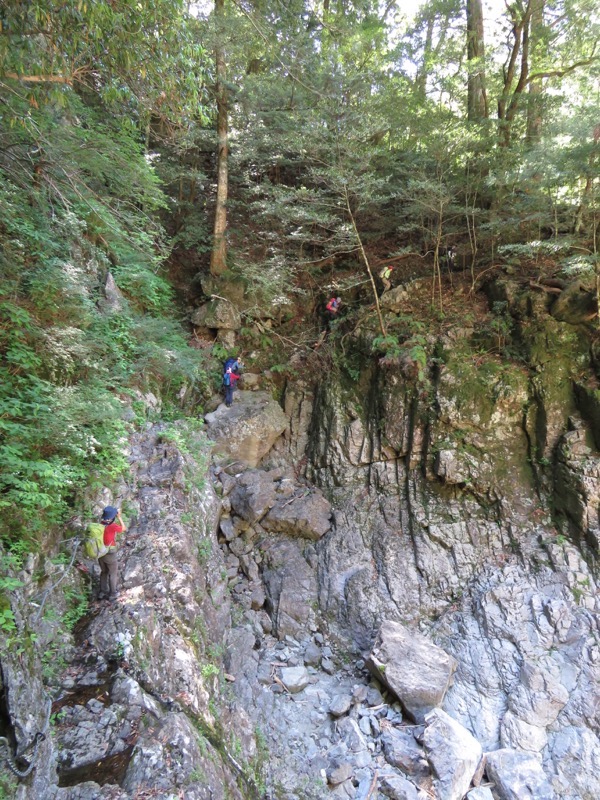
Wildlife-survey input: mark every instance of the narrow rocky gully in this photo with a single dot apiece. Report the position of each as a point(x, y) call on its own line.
point(329, 596)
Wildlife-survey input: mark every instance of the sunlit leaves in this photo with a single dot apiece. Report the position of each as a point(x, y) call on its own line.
point(149, 52)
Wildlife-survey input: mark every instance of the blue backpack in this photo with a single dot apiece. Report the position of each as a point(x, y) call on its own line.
point(227, 378)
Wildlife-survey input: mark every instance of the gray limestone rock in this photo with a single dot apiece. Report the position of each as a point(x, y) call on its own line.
point(576, 750)
point(539, 696)
point(578, 484)
point(226, 337)
point(217, 314)
point(83, 739)
point(228, 529)
point(113, 301)
point(454, 755)
point(295, 679)
point(312, 655)
point(394, 299)
point(402, 751)
point(175, 757)
point(257, 598)
point(165, 470)
point(253, 495)
point(351, 735)
point(340, 705)
point(247, 431)
point(328, 666)
point(374, 696)
point(306, 514)
point(291, 587)
point(412, 667)
point(397, 787)
point(518, 776)
point(365, 725)
point(480, 793)
point(339, 772)
point(517, 734)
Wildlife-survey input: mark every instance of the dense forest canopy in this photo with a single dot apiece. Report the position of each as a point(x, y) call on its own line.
point(262, 140)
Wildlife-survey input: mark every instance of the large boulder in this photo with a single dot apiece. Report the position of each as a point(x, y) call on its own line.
point(417, 671)
point(307, 513)
point(518, 776)
point(295, 679)
point(577, 750)
point(454, 755)
point(253, 495)
point(217, 314)
point(247, 430)
point(291, 587)
point(394, 299)
point(402, 751)
point(575, 304)
point(397, 787)
point(113, 301)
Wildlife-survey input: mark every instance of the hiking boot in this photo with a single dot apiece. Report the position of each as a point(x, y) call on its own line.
point(112, 597)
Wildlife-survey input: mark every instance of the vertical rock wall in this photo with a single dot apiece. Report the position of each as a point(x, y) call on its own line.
point(467, 508)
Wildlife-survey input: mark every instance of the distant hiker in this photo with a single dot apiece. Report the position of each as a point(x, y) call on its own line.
point(108, 562)
point(448, 257)
point(331, 309)
point(385, 275)
point(231, 374)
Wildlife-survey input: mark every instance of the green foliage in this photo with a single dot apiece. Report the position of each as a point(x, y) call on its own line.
point(77, 607)
point(209, 671)
point(87, 207)
point(147, 56)
point(197, 775)
point(388, 344)
point(7, 622)
point(8, 784)
point(412, 351)
point(8, 583)
point(204, 550)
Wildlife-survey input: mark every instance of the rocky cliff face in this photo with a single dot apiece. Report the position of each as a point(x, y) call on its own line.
point(132, 710)
point(398, 599)
point(468, 509)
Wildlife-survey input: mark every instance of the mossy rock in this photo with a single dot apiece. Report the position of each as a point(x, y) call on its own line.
point(577, 304)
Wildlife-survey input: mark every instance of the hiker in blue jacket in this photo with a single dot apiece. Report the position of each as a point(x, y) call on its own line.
point(231, 374)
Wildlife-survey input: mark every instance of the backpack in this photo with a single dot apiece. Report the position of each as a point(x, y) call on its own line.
point(227, 378)
point(93, 544)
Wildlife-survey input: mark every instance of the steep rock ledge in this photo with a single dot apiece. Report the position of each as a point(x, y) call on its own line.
point(138, 713)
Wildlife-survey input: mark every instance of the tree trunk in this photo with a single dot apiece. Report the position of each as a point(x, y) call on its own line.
point(512, 95)
point(421, 79)
point(534, 105)
point(476, 95)
point(218, 258)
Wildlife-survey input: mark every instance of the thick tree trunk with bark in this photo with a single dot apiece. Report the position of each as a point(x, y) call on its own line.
point(534, 105)
point(476, 94)
point(218, 258)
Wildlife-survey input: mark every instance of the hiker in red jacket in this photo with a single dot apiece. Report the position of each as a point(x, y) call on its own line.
point(231, 374)
point(108, 562)
point(331, 309)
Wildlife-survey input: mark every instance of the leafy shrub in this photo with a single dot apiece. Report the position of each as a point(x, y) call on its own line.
point(65, 363)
